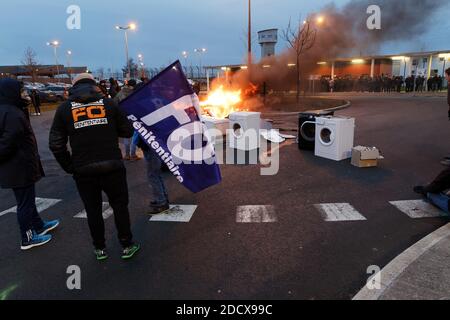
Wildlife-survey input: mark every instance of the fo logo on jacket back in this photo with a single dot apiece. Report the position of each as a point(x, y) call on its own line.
point(87, 115)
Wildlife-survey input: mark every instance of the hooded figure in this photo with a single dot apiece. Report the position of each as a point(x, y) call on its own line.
point(20, 165)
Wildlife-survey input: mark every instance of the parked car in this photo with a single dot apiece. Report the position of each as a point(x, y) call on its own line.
point(46, 97)
point(59, 92)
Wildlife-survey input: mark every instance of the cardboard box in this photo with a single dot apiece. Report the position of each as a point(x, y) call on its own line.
point(365, 157)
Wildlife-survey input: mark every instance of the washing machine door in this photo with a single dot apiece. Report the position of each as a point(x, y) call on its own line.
point(327, 135)
point(308, 131)
point(238, 131)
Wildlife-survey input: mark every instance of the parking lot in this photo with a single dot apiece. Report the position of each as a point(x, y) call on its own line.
point(295, 251)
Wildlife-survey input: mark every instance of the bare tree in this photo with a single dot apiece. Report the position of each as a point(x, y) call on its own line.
point(30, 63)
point(300, 39)
point(132, 67)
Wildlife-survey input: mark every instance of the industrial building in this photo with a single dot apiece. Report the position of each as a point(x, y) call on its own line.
point(41, 73)
point(427, 64)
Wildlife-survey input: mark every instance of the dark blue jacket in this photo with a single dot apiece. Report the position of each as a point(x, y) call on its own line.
point(20, 164)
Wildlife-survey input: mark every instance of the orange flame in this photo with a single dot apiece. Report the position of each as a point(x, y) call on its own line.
point(251, 90)
point(221, 103)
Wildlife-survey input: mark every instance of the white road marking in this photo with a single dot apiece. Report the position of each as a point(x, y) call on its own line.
point(334, 212)
point(176, 213)
point(42, 204)
point(107, 212)
point(256, 214)
point(417, 209)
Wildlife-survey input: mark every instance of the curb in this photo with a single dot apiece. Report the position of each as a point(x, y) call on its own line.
point(346, 105)
point(396, 267)
point(342, 107)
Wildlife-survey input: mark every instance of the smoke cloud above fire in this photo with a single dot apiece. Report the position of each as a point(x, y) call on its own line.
point(344, 33)
point(345, 30)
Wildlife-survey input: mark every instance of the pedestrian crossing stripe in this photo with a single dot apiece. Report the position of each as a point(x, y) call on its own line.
point(338, 212)
point(256, 214)
point(418, 209)
point(176, 213)
point(42, 204)
point(331, 212)
point(107, 212)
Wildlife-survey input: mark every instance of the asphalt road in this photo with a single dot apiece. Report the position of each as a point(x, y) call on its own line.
point(213, 257)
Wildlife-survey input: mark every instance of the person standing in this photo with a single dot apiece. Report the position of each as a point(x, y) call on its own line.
point(331, 85)
point(160, 197)
point(20, 164)
point(130, 147)
point(93, 125)
point(447, 77)
point(429, 84)
point(113, 88)
point(102, 86)
point(440, 83)
point(446, 161)
point(36, 101)
point(435, 83)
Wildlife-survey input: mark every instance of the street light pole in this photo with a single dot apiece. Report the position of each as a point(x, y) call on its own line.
point(200, 53)
point(56, 59)
point(69, 63)
point(404, 72)
point(141, 63)
point(185, 55)
point(131, 26)
point(127, 56)
point(55, 45)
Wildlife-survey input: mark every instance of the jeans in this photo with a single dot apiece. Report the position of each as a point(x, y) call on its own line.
point(155, 179)
point(130, 147)
point(37, 108)
point(27, 214)
point(440, 200)
point(114, 184)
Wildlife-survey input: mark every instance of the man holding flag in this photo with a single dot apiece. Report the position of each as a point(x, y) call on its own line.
point(165, 113)
point(93, 124)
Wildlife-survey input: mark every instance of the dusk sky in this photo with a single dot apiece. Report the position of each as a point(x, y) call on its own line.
point(165, 29)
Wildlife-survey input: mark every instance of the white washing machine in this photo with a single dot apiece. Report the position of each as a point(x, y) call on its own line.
point(244, 127)
point(334, 137)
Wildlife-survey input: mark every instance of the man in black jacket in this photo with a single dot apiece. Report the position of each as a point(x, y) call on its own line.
point(93, 124)
point(36, 101)
point(20, 164)
point(447, 77)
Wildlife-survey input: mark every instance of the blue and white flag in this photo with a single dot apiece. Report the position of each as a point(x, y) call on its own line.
point(166, 114)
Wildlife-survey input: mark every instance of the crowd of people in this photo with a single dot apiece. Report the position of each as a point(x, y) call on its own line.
point(91, 122)
point(382, 83)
